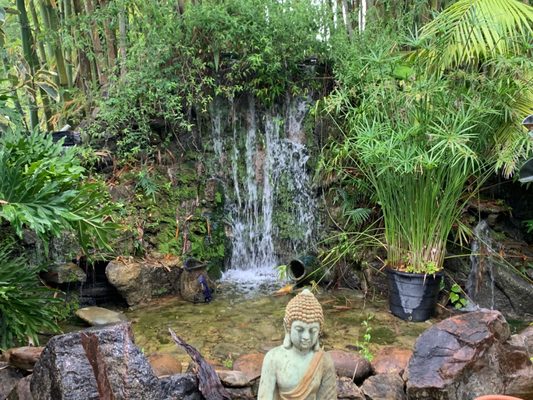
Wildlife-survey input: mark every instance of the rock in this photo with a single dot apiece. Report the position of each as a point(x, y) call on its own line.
point(64, 371)
point(346, 389)
point(24, 357)
point(164, 364)
point(384, 387)
point(245, 393)
point(138, 281)
point(525, 339)
point(190, 287)
point(350, 365)
point(250, 365)
point(99, 316)
point(22, 390)
point(516, 366)
point(234, 378)
point(64, 273)
point(458, 358)
point(8, 380)
point(180, 386)
point(391, 360)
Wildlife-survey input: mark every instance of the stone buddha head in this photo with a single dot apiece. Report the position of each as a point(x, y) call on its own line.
point(303, 322)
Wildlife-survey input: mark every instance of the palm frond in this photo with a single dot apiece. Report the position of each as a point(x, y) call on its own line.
point(471, 31)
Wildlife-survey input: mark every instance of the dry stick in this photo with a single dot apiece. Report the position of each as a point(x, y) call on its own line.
point(209, 382)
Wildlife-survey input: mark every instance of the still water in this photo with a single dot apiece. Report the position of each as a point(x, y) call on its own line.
point(237, 323)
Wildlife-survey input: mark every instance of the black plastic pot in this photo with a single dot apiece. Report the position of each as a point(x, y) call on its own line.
point(413, 297)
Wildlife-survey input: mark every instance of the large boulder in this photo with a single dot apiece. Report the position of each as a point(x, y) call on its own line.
point(64, 273)
point(69, 364)
point(138, 281)
point(467, 356)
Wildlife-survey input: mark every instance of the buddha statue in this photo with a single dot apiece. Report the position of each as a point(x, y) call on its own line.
point(299, 369)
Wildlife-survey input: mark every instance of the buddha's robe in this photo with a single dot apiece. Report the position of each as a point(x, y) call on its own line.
point(318, 383)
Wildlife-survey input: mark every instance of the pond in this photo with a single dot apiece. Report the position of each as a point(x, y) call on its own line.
point(237, 323)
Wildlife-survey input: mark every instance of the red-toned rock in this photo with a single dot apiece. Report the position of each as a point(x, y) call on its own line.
point(24, 357)
point(390, 360)
point(384, 387)
point(164, 364)
point(350, 365)
point(250, 364)
point(457, 358)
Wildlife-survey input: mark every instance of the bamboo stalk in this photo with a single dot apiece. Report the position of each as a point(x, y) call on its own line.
point(100, 59)
point(110, 38)
point(42, 63)
point(31, 58)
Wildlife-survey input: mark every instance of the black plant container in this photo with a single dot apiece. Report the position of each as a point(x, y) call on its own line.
point(413, 297)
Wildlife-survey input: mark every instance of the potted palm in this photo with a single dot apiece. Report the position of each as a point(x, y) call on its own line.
point(423, 126)
point(418, 163)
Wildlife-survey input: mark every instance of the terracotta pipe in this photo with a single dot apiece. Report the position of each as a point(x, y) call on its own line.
point(496, 397)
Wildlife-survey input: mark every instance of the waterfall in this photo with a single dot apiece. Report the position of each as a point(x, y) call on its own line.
point(263, 159)
point(481, 261)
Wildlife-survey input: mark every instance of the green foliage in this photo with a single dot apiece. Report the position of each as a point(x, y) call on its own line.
point(418, 137)
point(456, 296)
point(26, 307)
point(176, 66)
point(364, 344)
point(282, 272)
point(43, 188)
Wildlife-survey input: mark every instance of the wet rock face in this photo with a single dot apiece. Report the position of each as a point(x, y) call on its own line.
point(139, 281)
point(64, 371)
point(459, 358)
point(492, 282)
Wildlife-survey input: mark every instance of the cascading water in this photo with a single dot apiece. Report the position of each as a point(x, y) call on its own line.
point(270, 185)
point(481, 263)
